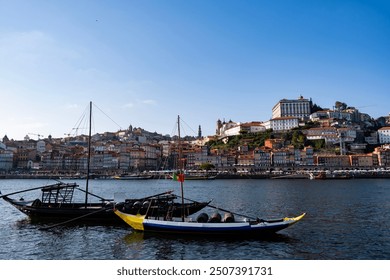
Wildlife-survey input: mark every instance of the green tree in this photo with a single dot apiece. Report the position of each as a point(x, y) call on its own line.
point(340, 105)
point(316, 144)
point(207, 166)
point(315, 108)
point(298, 139)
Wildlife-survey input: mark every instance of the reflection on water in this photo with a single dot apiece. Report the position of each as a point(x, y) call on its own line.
point(345, 220)
point(171, 247)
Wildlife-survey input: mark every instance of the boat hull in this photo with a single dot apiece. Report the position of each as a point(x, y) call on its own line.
point(96, 213)
point(133, 177)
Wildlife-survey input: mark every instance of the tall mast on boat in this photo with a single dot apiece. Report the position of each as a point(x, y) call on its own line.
point(180, 164)
point(89, 153)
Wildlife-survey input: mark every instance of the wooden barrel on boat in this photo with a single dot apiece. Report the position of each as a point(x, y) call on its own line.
point(137, 204)
point(124, 206)
point(215, 218)
point(145, 205)
point(228, 218)
point(202, 218)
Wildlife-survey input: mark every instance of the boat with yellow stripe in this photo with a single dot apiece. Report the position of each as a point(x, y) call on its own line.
point(204, 225)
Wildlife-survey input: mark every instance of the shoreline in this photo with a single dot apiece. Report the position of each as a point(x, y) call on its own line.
point(224, 176)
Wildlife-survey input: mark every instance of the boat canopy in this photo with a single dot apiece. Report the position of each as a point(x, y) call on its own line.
point(58, 193)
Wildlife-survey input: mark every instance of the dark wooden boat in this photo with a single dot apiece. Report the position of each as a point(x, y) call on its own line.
point(160, 206)
point(56, 205)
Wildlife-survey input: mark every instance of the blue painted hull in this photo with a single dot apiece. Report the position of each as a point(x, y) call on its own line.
point(217, 231)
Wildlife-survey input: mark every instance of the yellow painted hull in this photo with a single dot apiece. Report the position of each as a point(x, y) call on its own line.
point(135, 221)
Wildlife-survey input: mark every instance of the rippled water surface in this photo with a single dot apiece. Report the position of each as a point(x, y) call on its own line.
point(346, 219)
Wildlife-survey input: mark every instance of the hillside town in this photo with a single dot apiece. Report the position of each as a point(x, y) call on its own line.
point(301, 137)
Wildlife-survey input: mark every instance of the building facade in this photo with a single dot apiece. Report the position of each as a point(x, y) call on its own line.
point(300, 108)
point(282, 123)
point(6, 159)
point(384, 135)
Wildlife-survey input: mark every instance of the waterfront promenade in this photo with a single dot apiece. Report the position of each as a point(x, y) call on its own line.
point(295, 174)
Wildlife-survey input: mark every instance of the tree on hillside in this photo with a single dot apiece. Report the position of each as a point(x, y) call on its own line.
point(340, 106)
point(315, 108)
point(207, 166)
point(316, 144)
point(298, 139)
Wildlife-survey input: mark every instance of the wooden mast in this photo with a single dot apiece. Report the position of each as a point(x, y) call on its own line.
point(180, 164)
point(89, 153)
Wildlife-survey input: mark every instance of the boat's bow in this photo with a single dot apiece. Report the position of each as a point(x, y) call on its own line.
point(18, 204)
point(293, 220)
point(135, 221)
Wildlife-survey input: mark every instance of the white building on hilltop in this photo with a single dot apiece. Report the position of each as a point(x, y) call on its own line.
point(299, 108)
point(282, 124)
point(233, 128)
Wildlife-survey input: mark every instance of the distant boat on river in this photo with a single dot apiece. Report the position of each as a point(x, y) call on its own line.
point(133, 177)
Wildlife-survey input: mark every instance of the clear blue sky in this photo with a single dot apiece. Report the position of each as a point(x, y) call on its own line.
point(145, 62)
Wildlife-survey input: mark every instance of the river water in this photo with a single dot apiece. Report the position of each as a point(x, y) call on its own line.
point(346, 220)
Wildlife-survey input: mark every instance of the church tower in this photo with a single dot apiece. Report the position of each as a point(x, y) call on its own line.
point(219, 126)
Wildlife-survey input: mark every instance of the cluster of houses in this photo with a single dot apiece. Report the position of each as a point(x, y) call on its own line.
point(342, 128)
